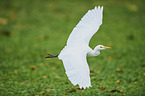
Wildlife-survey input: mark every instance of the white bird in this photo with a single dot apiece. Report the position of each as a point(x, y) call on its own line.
point(74, 53)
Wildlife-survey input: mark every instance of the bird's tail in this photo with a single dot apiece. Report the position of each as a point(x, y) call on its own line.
point(51, 56)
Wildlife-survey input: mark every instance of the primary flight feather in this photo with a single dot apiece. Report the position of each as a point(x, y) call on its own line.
point(87, 27)
point(77, 49)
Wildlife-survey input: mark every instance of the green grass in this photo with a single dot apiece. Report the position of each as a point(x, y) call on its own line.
point(30, 29)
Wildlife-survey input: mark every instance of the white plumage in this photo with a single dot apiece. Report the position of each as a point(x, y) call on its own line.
point(74, 53)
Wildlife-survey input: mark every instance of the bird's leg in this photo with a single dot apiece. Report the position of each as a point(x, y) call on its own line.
point(51, 56)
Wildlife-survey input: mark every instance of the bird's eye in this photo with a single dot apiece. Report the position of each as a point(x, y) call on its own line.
point(101, 47)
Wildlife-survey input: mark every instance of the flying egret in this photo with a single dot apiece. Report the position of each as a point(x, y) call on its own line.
point(74, 53)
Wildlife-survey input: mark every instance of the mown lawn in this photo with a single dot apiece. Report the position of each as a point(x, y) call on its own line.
point(30, 29)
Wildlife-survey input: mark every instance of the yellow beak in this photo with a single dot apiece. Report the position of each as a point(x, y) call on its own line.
point(107, 47)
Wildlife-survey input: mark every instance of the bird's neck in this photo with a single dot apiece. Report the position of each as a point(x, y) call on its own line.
point(96, 49)
point(94, 52)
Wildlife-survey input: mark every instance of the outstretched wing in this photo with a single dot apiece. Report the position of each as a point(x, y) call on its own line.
point(74, 54)
point(76, 67)
point(87, 27)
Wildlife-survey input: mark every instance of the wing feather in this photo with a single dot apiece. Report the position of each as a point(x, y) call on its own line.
point(87, 27)
point(76, 66)
point(74, 53)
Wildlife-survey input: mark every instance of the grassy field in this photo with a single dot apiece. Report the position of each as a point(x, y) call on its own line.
point(30, 29)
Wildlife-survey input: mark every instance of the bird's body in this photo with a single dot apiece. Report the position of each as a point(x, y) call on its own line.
point(77, 49)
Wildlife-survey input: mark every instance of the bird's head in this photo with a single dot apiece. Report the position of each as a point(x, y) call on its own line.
point(101, 47)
